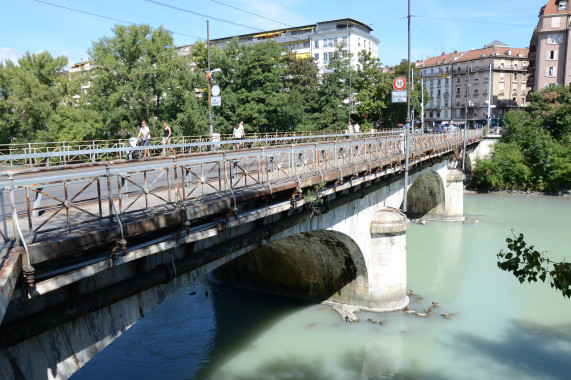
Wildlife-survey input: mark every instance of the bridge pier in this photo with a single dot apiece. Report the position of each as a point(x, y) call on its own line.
point(454, 210)
point(387, 267)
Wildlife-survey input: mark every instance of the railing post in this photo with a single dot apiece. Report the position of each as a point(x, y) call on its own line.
point(109, 193)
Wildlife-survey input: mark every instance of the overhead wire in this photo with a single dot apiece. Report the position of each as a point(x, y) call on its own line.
point(104, 17)
point(251, 13)
point(201, 14)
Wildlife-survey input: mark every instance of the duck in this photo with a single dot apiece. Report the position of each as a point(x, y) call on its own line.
point(435, 304)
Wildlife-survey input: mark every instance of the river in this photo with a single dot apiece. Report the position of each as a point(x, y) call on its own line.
point(497, 328)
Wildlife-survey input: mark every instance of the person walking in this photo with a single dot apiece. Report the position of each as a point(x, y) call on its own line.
point(237, 134)
point(146, 134)
point(357, 127)
point(167, 132)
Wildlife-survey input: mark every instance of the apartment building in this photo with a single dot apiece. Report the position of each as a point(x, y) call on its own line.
point(550, 42)
point(462, 84)
point(317, 40)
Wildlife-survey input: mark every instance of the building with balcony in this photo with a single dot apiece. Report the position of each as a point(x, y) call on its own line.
point(549, 61)
point(462, 84)
point(317, 40)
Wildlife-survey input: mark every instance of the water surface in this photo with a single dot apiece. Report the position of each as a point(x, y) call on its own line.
point(499, 329)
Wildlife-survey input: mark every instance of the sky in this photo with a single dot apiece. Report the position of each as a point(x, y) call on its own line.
point(65, 27)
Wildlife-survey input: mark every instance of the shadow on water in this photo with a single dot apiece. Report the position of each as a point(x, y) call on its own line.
point(528, 348)
point(241, 317)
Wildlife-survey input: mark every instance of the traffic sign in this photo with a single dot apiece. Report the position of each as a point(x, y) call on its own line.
point(399, 96)
point(215, 101)
point(399, 83)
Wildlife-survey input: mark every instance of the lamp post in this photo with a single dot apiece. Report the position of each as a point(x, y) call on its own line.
point(489, 101)
point(209, 76)
point(407, 123)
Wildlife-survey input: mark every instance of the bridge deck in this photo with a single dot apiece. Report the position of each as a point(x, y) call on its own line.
point(50, 215)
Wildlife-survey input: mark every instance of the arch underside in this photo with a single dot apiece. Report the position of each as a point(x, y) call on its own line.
point(426, 196)
point(314, 265)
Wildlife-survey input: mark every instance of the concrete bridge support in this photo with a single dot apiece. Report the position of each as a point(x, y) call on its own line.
point(388, 256)
point(346, 267)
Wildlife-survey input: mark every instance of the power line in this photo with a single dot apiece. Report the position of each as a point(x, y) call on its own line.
point(475, 21)
point(105, 17)
point(202, 15)
point(254, 14)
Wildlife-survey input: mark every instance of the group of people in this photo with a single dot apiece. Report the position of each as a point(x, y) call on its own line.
point(352, 129)
point(145, 134)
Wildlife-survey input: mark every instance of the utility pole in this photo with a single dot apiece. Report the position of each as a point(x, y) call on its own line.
point(489, 97)
point(209, 74)
point(466, 117)
point(421, 102)
point(407, 124)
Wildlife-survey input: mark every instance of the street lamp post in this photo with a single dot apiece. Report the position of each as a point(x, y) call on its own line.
point(407, 123)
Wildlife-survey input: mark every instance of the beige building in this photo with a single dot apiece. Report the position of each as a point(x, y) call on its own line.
point(317, 40)
point(550, 42)
point(460, 88)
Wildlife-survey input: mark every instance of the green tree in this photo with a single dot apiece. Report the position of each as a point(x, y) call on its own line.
point(527, 264)
point(373, 89)
point(134, 73)
point(553, 107)
point(30, 94)
point(301, 80)
point(334, 92)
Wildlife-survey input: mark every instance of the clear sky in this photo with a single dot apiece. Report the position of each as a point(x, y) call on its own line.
point(66, 27)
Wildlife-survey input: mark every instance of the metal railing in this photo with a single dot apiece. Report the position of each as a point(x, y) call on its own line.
point(38, 154)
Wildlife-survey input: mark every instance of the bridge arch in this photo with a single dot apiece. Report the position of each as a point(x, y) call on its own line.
point(320, 265)
point(426, 197)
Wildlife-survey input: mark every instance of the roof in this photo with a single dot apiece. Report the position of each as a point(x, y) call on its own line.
point(350, 20)
point(443, 59)
point(498, 51)
point(302, 27)
point(552, 7)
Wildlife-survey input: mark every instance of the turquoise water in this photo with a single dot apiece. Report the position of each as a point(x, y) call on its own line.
point(499, 328)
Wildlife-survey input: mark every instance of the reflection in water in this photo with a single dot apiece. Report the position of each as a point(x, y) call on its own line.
point(500, 328)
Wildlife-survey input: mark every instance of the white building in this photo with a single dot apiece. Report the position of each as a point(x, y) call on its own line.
point(317, 40)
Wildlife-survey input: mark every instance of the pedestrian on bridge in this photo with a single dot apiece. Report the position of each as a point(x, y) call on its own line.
point(146, 134)
point(167, 132)
point(239, 133)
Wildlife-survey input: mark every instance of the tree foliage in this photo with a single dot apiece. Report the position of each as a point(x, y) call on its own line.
point(30, 93)
point(534, 151)
point(527, 264)
point(136, 75)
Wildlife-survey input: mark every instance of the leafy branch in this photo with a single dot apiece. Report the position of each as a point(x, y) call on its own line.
point(313, 197)
point(527, 264)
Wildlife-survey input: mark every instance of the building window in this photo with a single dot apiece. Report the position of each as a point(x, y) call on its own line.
point(550, 71)
point(316, 44)
point(501, 77)
point(306, 44)
point(522, 102)
point(359, 41)
point(563, 5)
point(316, 56)
point(551, 55)
point(501, 89)
point(554, 39)
point(515, 77)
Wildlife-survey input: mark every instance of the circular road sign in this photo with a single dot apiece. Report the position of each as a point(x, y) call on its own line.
point(399, 83)
point(215, 90)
